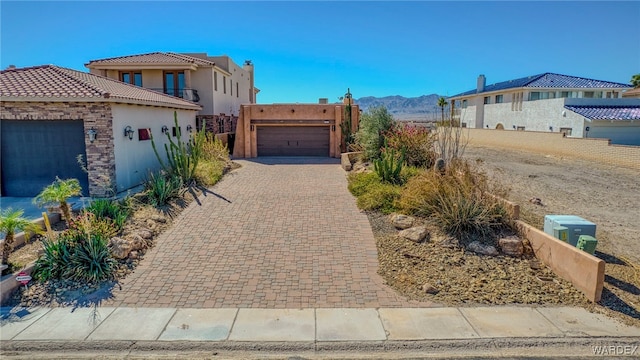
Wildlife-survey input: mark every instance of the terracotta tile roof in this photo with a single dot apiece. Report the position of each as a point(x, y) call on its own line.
point(160, 58)
point(52, 83)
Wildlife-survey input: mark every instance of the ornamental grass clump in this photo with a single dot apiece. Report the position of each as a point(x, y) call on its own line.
point(214, 161)
point(460, 200)
point(116, 211)
point(161, 187)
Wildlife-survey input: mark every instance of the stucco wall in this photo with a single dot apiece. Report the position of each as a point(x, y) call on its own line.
point(97, 115)
point(134, 159)
point(535, 116)
point(202, 81)
point(554, 144)
point(290, 115)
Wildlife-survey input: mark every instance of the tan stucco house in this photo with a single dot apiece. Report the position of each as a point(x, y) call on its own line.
point(49, 115)
point(216, 83)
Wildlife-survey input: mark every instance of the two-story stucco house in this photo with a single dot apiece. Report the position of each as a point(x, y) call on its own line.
point(575, 106)
point(216, 83)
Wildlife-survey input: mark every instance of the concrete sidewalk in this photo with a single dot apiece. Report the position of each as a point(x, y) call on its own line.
point(311, 329)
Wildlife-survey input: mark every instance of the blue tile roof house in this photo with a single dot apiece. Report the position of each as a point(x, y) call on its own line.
point(575, 106)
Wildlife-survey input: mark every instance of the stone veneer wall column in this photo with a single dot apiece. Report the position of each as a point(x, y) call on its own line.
point(100, 157)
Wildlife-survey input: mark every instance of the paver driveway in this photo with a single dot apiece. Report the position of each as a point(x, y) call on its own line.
point(277, 233)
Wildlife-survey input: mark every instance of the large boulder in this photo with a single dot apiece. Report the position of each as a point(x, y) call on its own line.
point(120, 248)
point(511, 246)
point(481, 249)
point(402, 221)
point(415, 234)
point(136, 241)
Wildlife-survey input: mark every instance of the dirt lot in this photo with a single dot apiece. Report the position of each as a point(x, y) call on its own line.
point(608, 196)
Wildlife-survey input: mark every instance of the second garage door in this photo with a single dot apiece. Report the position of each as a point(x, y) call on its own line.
point(293, 140)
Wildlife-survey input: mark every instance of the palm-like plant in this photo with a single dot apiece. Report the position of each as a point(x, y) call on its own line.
point(635, 80)
point(442, 102)
point(58, 192)
point(12, 221)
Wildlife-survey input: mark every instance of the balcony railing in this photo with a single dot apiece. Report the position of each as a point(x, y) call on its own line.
point(187, 94)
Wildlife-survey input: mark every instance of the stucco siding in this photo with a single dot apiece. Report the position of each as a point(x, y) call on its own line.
point(134, 159)
point(202, 81)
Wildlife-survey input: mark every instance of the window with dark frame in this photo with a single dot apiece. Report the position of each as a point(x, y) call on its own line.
point(131, 77)
point(215, 81)
point(224, 84)
point(174, 83)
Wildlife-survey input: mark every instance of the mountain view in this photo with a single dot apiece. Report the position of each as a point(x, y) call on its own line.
point(421, 108)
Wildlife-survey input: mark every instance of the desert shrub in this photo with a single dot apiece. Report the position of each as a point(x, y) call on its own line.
point(409, 172)
point(77, 256)
point(388, 166)
point(162, 187)
point(417, 144)
point(359, 183)
point(373, 124)
point(58, 193)
point(87, 223)
point(214, 161)
point(459, 200)
point(380, 196)
point(116, 211)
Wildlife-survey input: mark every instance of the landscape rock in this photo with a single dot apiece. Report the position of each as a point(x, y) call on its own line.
point(120, 248)
point(133, 255)
point(511, 246)
point(145, 234)
point(136, 241)
point(430, 289)
point(159, 218)
point(479, 248)
point(402, 221)
point(151, 224)
point(415, 234)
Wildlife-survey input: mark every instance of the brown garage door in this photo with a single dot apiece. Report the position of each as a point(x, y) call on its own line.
point(293, 140)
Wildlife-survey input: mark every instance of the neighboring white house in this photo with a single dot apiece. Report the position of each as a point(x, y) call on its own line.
point(49, 115)
point(552, 103)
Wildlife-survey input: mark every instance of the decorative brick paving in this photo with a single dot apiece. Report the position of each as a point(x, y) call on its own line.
point(289, 236)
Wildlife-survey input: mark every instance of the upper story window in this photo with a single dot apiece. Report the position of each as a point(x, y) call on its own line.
point(215, 81)
point(568, 94)
point(592, 94)
point(224, 84)
point(231, 86)
point(611, 94)
point(464, 104)
point(131, 77)
point(237, 90)
point(499, 99)
point(487, 100)
point(541, 95)
point(174, 83)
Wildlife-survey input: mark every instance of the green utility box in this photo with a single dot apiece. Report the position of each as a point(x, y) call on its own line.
point(587, 243)
point(561, 232)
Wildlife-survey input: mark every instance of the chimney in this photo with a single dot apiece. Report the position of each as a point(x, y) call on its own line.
point(11, 67)
point(248, 67)
point(481, 83)
point(323, 101)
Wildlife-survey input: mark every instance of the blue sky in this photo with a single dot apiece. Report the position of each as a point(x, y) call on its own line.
point(306, 50)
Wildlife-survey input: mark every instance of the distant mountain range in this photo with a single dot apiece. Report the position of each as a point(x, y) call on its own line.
point(423, 107)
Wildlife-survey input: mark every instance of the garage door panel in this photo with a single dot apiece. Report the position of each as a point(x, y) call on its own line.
point(293, 141)
point(34, 153)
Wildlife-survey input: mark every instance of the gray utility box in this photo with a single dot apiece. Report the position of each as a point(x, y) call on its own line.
point(576, 225)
